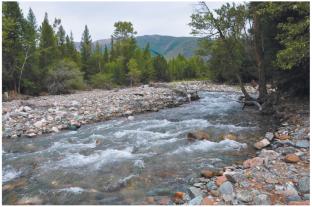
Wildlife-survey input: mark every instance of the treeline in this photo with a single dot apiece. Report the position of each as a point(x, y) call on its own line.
point(44, 58)
point(265, 41)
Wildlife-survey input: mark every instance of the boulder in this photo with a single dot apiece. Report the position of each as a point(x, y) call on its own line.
point(268, 154)
point(245, 196)
point(261, 144)
point(208, 201)
point(195, 192)
point(292, 158)
point(257, 161)
point(196, 201)
point(299, 203)
point(220, 180)
point(302, 144)
point(227, 191)
point(262, 199)
point(282, 136)
point(200, 135)
point(207, 173)
point(234, 177)
point(304, 184)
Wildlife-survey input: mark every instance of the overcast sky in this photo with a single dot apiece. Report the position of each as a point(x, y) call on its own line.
point(165, 18)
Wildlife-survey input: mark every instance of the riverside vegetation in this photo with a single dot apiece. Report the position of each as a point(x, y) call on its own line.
point(263, 41)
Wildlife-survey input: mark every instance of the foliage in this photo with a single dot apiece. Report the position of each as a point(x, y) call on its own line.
point(102, 80)
point(63, 77)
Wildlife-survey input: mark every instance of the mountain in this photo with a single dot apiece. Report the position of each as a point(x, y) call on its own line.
point(167, 46)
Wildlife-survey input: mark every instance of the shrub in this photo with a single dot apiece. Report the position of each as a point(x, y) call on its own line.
point(102, 80)
point(63, 77)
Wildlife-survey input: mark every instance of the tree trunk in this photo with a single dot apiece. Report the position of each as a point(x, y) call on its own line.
point(259, 58)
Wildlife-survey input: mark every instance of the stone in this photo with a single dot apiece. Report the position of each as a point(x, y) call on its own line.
point(269, 154)
point(269, 136)
point(306, 196)
point(293, 198)
point(261, 144)
point(304, 184)
point(200, 135)
point(262, 199)
point(196, 201)
point(198, 185)
point(211, 186)
point(234, 177)
point(207, 173)
point(302, 144)
point(178, 198)
point(245, 196)
point(282, 136)
point(26, 108)
point(165, 200)
point(208, 201)
point(55, 129)
point(130, 118)
point(39, 124)
point(150, 200)
point(230, 136)
point(30, 135)
point(195, 192)
point(299, 203)
point(220, 180)
point(30, 201)
point(226, 191)
point(257, 161)
point(292, 158)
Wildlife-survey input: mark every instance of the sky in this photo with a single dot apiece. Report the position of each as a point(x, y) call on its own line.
point(164, 18)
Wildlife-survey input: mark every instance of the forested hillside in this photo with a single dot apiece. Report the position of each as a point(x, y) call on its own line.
point(43, 57)
point(167, 46)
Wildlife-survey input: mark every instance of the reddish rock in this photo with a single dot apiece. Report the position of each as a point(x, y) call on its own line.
point(220, 180)
point(164, 200)
point(299, 203)
point(208, 201)
point(207, 173)
point(282, 136)
point(257, 161)
point(292, 158)
point(201, 135)
point(179, 195)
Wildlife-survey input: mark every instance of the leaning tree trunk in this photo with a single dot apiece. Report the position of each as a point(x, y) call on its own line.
point(258, 46)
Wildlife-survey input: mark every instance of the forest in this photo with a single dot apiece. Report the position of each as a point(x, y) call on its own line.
point(265, 41)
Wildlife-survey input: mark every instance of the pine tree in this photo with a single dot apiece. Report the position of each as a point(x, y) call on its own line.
point(134, 72)
point(61, 40)
point(105, 55)
point(86, 51)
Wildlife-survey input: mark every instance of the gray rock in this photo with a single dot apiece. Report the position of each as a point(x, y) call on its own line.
point(227, 192)
point(196, 201)
point(195, 192)
point(302, 144)
point(245, 196)
point(293, 198)
point(306, 196)
point(211, 186)
point(235, 177)
point(269, 136)
point(261, 144)
point(198, 185)
point(262, 199)
point(304, 184)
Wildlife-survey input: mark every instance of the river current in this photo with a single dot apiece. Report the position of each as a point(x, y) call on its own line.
point(123, 161)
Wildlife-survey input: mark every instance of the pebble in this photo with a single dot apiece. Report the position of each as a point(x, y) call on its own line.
point(257, 161)
point(244, 195)
point(292, 158)
point(262, 199)
point(196, 201)
point(269, 136)
point(304, 184)
point(195, 192)
point(261, 144)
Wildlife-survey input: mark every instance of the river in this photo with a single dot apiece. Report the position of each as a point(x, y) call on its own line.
point(123, 161)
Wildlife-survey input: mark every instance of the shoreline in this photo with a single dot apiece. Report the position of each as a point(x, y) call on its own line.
point(53, 113)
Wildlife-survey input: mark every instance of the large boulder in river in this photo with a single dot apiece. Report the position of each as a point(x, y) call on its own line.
point(200, 135)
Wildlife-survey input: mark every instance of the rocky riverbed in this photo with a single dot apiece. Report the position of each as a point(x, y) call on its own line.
point(46, 114)
point(278, 175)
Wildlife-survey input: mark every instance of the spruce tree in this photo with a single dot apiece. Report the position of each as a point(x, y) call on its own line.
point(86, 51)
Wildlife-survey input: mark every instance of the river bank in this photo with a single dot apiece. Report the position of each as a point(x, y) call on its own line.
point(278, 175)
point(47, 114)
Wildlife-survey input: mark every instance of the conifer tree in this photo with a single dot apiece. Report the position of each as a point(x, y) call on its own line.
point(86, 51)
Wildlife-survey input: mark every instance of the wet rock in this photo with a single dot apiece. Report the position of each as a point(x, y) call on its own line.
point(306, 196)
point(55, 129)
point(261, 144)
point(30, 201)
point(304, 184)
point(302, 144)
point(220, 180)
point(130, 118)
point(230, 136)
point(200, 135)
point(178, 198)
point(257, 161)
point(286, 150)
point(215, 193)
point(262, 199)
point(165, 200)
point(293, 198)
point(195, 192)
point(196, 201)
point(269, 136)
point(226, 191)
point(211, 186)
point(30, 135)
point(292, 158)
point(244, 195)
point(16, 184)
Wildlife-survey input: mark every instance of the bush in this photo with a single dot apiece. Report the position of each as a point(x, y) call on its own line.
point(102, 81)
point(63, 77)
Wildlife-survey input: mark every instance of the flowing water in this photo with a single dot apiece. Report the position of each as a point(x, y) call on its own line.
point(123, 161)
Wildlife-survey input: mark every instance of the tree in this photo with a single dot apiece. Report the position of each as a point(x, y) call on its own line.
point(12, 34)
point(86, 51)
point(123, 30)
point(70, 49)
point(161, 68)
point(105, 55)
point(97, 60)
point(134, 72)
point(61, 40)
